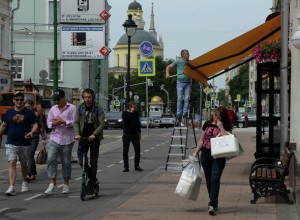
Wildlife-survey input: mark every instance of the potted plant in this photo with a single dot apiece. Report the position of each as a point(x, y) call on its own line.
point(267, 52)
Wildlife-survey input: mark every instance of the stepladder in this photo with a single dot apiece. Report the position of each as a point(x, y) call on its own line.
point(180, 142)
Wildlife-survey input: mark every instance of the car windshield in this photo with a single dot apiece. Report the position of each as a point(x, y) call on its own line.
point(113, 115)
point(167, 116)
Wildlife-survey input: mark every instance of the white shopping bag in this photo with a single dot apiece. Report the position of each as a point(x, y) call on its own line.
point(190, 180)
point(224, 146)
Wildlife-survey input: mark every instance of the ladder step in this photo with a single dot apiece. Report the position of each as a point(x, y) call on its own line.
point(173, 154)
point(178, 136)
point(181, 128)
point(177, 145)
point(174, 163)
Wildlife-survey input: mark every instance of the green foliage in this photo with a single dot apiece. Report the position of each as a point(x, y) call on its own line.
point(240, 84)
point(158, 80)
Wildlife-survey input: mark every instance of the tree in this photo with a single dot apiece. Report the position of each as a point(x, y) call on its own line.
point(240, 84)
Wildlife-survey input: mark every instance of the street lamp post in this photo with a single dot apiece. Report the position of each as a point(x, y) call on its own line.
point(130, 28)
point(168, 100)
point(97, 79)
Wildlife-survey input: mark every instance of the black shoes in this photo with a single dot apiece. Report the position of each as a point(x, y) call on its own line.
point(139, 169)
point(126, 170)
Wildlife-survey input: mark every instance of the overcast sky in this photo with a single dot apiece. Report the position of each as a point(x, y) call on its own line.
point(196, 25)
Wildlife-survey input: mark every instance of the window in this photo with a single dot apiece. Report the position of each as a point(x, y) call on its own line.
point(2, 40)
point(51, 70)
point(17, 68)
point(50, 11)
point(118, 60)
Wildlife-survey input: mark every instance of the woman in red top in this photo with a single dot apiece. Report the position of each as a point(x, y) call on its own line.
point(213, 168)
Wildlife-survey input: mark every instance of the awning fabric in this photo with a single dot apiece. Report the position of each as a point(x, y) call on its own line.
point(211, 63)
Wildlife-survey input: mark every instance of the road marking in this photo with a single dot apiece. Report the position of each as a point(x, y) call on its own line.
point(152, 148)
point(146, 151)
point(4, 209)
point(33, 197)
point(111, 165)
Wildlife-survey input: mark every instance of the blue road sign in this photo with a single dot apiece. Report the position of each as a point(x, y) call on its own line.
point(146, 48)
point(146, 67)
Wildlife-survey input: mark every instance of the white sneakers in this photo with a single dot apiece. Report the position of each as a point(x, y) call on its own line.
point(52, 188)
point(66, 189)
point(12, 192)
point(24, 187)
point(211, 210)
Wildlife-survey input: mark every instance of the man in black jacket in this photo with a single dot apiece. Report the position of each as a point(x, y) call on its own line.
point(131, 133)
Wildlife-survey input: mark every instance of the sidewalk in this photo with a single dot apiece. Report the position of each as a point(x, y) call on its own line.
point(157, 200)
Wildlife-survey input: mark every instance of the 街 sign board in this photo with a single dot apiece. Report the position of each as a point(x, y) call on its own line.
point(83, 42)
point(83, 11)
point(146, 67)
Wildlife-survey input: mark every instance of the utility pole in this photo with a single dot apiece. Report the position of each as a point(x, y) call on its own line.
point(55, 68)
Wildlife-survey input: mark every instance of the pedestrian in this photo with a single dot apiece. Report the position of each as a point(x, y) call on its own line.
point(184, 84)
point(231, 114)
point(20, 124)
point(34, 141)
point(131, 133)
point(88, 126)
point(213, 168)
point(61, 120)
point(246, 119)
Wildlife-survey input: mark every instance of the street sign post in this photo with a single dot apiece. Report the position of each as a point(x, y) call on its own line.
point(146, 67)
point(146, 48)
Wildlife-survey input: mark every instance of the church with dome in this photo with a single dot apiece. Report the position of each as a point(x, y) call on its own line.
point(121, 48)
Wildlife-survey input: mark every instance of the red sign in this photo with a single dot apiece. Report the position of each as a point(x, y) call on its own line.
point(104, 50)
point(104, 15)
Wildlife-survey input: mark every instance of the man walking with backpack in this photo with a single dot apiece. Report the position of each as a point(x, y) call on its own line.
point(88, 126)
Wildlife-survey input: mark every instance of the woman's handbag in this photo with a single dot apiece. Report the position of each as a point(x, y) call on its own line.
point(41, 157)
point(225, 146)
point(190, 180)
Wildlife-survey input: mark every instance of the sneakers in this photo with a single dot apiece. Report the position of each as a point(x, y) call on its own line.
point(10, 191)
point(211, 210)
point(24, 187)
point(65, 189)
point(52, 188)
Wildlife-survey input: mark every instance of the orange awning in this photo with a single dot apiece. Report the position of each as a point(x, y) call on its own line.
point(211, 63)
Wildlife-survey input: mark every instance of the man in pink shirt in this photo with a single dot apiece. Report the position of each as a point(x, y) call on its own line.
point(61, 120)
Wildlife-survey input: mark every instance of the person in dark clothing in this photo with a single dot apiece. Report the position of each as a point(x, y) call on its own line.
point(131, 133)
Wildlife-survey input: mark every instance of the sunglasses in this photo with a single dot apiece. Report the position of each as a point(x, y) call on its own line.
point(21, 100)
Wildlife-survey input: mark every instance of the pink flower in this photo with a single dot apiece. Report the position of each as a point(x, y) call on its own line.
point(267, 52)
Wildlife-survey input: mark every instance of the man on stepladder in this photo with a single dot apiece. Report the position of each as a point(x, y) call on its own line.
point(184, 84)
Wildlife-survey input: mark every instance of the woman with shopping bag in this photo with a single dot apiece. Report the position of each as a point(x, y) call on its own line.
point(213, 168)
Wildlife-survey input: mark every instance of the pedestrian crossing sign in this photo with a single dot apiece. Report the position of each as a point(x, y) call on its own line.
point(146, 67)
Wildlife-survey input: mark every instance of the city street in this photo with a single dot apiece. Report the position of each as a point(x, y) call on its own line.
point(115, 186)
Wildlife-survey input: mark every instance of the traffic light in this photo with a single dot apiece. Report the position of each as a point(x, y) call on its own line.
point(28, 85)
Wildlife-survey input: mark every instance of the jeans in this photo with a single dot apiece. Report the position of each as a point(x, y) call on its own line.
point(183, 91)
point(65, 153)
point(83, 147)
point(135, 139)
point(213, 169)
point(31, 161)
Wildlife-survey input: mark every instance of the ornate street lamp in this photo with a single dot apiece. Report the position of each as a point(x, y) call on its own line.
point(98, 79)
point(130, 28)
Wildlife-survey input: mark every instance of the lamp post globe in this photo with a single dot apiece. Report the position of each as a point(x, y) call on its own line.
point(130, 29)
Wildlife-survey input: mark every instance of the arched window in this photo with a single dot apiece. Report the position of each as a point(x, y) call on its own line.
point(117, 60)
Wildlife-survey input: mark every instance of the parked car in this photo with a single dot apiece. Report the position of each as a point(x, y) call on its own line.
point(240, 122)
point(113, 120)
point(145, 121)
point(167, 120)
point(156, 120)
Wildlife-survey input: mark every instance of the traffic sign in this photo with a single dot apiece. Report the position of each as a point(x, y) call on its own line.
point(117, 103)
point(104, 15)
point(146, 48)
point(146, 67)
point(104, 50)
point(206, 90)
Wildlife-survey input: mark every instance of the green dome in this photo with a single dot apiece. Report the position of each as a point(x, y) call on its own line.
point(134, 6)
point(139, 36)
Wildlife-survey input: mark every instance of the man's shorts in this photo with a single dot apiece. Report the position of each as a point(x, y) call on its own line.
point(13, 152)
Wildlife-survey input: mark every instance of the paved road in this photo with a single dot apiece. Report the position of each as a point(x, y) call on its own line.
point(114, 184)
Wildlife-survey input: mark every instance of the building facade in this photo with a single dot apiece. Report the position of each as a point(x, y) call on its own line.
point(33, 43)
point(5, 45)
